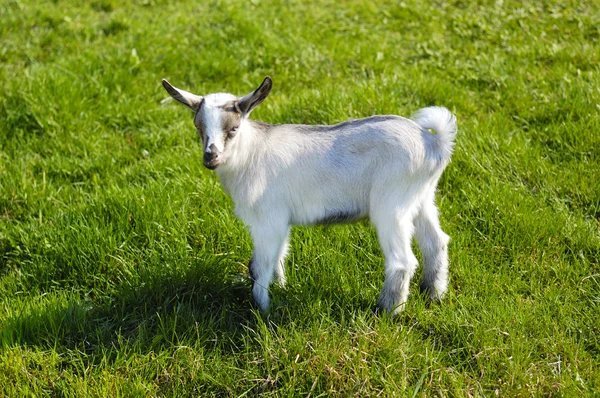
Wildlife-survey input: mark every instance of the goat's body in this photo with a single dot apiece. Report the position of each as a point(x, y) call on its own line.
point(322, 174)
point(385, 168)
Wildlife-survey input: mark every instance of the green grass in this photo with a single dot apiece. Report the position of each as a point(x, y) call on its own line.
point(123, 271)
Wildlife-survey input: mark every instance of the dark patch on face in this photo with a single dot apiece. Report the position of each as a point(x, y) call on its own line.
point(339, 217)
point(200, 126)
point(230, 121)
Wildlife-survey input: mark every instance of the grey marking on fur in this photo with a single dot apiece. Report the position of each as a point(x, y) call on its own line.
point(357, 123)
point(199, 122)
point(319, 128)
point(250, 264)
point(230, 118)
point(340, 217)
point(262, 126)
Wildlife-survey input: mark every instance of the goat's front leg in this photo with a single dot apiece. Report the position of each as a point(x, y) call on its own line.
point(280, 265)
point(270, 243)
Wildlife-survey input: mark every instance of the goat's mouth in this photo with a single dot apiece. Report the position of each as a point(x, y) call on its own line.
point(211, 165)
point(211, 161)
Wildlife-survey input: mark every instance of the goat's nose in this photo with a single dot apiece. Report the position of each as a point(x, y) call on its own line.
point(211, 152)
point(211, 156)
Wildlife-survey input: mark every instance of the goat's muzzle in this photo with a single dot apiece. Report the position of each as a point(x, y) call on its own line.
point(212, 157)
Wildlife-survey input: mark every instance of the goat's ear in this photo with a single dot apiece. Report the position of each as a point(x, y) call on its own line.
point(190, 100)
point(252, 100)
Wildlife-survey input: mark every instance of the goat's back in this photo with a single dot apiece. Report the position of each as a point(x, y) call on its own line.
point(331, 173)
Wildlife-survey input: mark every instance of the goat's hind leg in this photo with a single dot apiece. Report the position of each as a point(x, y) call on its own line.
point(395, 232)
point(433, 243)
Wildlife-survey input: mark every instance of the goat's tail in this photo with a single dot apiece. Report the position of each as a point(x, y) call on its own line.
point(443, 122)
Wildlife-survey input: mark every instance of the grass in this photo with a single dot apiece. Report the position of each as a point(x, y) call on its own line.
point(123, 270)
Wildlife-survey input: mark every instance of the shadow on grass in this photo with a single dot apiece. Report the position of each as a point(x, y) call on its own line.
point(205, 304)
point(208, 305)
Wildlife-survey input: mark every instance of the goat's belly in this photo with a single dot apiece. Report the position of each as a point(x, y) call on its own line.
point(346, 209)
point(328, 217)
point(339, 217)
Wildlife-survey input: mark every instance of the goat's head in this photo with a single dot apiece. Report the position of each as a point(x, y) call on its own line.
point(218, 117)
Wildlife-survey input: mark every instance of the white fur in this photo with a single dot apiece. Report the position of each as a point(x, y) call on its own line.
point(385, 168)
point(211, 114)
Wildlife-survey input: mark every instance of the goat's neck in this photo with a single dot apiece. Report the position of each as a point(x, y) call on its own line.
point(244, 151)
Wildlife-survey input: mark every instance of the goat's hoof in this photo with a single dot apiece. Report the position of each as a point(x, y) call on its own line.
point(281, 281)
point(391, 308)
point(432, 293)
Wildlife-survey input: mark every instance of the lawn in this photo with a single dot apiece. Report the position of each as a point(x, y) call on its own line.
point(123, 271)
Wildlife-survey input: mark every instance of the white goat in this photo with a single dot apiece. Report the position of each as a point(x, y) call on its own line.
point(382, 167)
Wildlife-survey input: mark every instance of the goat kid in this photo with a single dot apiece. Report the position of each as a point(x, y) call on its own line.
point(382, 167)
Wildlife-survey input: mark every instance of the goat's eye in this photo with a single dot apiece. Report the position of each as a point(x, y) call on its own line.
point(233, 130)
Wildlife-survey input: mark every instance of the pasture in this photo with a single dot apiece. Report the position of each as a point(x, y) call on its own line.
point(123, 271)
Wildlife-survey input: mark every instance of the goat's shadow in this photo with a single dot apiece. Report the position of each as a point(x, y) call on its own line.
point(207, 304)
point(202, 304)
